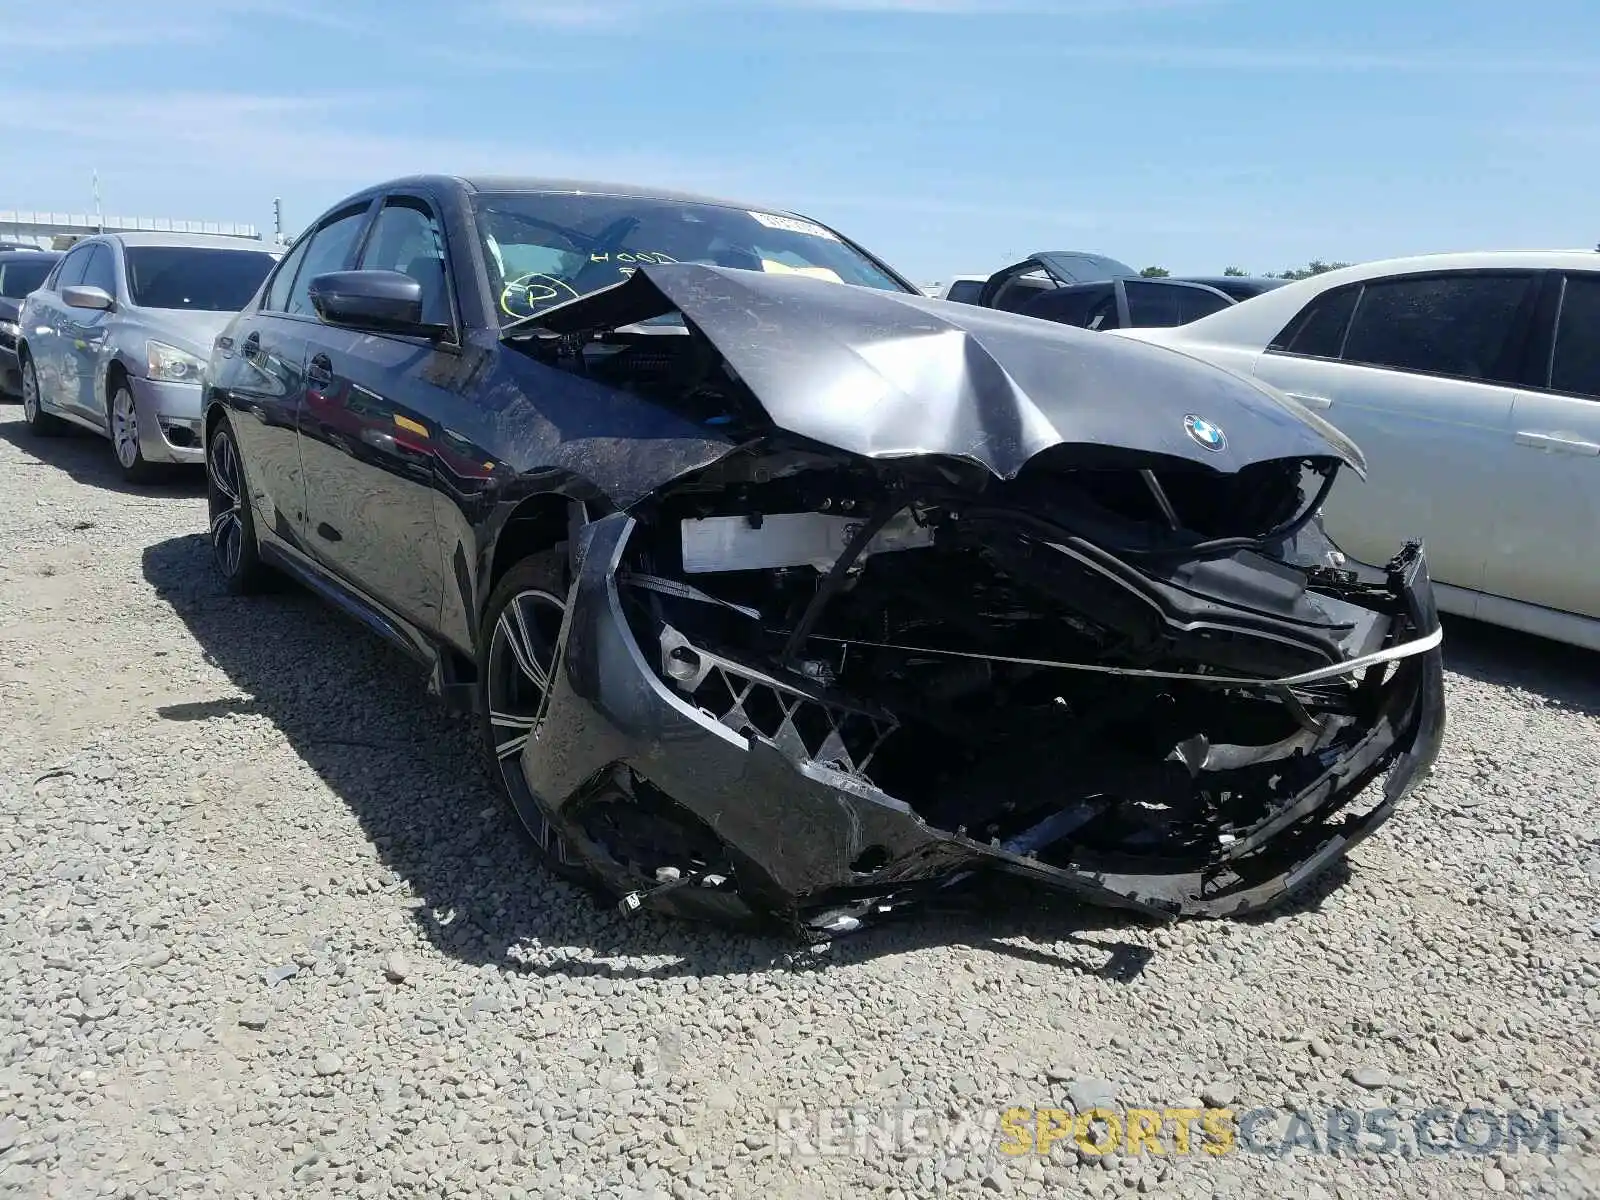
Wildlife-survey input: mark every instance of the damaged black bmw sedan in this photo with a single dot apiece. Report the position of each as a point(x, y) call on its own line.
point(784, 592)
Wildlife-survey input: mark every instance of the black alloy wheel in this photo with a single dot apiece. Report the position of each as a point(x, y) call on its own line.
point(516, 660)
point(234, 550)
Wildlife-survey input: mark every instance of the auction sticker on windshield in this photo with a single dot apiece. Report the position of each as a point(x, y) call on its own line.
point(794, 225)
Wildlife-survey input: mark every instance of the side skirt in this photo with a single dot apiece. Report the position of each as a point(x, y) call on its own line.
point(444, 680)
point(73, 418)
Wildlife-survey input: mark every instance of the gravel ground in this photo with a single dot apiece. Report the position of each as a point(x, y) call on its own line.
point(265, 931)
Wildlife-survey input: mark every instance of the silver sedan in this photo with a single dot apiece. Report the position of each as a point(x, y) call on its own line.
point(116, 339)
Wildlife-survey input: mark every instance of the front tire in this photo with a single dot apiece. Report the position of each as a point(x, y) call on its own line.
point(40, 423)
point(234, 550)
point(516, 661)
point(122, 421)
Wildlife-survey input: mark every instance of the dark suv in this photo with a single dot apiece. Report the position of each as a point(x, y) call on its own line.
point(21, 271)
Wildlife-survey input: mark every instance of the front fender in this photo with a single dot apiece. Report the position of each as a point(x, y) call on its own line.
point(484, 533)
point(112, 357)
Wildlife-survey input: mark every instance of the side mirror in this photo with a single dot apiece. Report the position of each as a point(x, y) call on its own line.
point(380, 301)
point(79, 296)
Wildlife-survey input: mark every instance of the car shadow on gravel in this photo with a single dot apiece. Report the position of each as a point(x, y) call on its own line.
point(88, 459)
point(355, 711)
point(1566, 675)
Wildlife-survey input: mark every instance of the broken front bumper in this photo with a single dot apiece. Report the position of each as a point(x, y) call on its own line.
point(809, 842)
point(169, 421)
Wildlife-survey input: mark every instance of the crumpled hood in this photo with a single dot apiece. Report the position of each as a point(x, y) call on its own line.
point(886, 374)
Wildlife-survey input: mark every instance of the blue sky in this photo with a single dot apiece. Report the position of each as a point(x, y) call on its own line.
point(948, 135)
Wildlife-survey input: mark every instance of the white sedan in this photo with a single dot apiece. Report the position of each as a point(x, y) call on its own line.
point(1472, 384)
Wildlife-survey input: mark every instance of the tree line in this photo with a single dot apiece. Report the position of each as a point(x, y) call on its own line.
point(1315, 267)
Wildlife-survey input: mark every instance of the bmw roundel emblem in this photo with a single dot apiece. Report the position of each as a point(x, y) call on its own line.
point(1203, 431)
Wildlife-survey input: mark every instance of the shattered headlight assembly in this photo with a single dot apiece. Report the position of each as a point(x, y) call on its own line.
point(168, 364)
point(10, 330)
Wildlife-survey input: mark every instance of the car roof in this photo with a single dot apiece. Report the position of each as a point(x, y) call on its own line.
point(1265, 282)
point(10, 255)
point(1081, 266)
point(1469, 260)
point(1092, 285)
point(1255, 322)
point(198, 241)
point(535, 183)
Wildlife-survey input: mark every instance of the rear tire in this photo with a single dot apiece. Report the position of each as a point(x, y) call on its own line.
point(234, 550)
point(40, 423)
point(516, 655)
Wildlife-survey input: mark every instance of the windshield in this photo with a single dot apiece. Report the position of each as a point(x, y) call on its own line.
point(195, 277)
point(543, 249)
point(19, 277)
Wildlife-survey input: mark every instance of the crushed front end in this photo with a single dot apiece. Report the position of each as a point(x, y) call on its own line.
point(809, 684)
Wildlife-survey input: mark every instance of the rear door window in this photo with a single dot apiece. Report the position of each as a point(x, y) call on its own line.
point(1194, 303)
point(1103, 315)
point(1575, 366)
point(1067, 305)
point(1318, 329)
point(1152, 304)
point(1466, 325)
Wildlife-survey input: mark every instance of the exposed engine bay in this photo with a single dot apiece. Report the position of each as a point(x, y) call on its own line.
point(808, 682)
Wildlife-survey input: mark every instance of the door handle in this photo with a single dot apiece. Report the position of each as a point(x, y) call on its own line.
point(1558, 443)
point(320, 370)
point(1317, 402)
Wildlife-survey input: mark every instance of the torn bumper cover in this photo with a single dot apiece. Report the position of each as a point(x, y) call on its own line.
point(694, 781)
